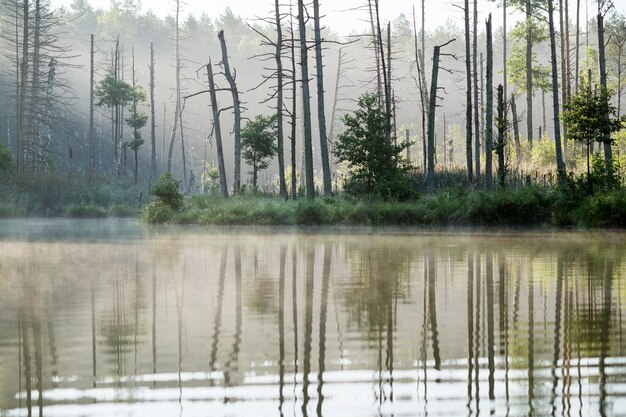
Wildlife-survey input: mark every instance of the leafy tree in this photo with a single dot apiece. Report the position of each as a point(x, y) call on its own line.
point(114, 93)
point(7, 163)
point(258, 144)
point(591, 117)
point(137, 121)
point(167, 191)
point(376, 164)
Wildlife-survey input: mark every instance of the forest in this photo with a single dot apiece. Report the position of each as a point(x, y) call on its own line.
point(281, 120)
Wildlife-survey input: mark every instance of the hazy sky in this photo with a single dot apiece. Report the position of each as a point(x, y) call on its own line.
point(338, 14)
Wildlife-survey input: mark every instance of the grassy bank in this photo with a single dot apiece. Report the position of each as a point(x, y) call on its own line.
point(58, 196)
point(527, 206)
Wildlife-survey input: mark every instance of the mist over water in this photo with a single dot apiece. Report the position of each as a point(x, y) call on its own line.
point(106, 318)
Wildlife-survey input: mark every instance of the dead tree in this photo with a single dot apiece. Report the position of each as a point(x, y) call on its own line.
point(476, 113)
point(280, 100)
point(153, 152)
point(501, 123)
point(321, 108)
point(294, 109)
point(468, 95)
point(489, 105)
point(231, 78)
point(434, 88)
point(21, 127)
point(529, 71)
point(386, 80)
point(92, 147)
point(306, 99)
point(608, 152)
point(177, 64)
point(421, 85)
point(516, 138)
point(555, 93)
point(217, 131)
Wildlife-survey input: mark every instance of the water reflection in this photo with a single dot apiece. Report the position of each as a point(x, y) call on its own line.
point(312, 325)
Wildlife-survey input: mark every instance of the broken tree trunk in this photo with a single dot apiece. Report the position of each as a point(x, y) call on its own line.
point(555, 94)
point(231, 78)
point(153, 151)
point(280, 101)
point(501, 130)
point(306, 100)
point(608, 151)
point(468, 95)
point(217, 131)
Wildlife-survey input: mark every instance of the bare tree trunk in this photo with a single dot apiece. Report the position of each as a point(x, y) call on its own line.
point(431, 114)
point(504, 49)
point(529, 74)
point(375, 40)
point(217, 130)
point(170, 154)
point(564, 71)
point(334, 111)
point(422, 92)
point(153, 153)
point(294, 113)
point(501, 129)
point(518, 145)
point(36, 144)
point(577, 75)
point(560, 164)
point(489, 122)
point(386, 80)
point(182, 145)
point(92, 150)
point(21, 128)
point(608, 152)
point(280, 101)
point(321, 108)
point(306, 99)
point(236, 111)
point(468, 94)
point(476, 113)
point(434, 87)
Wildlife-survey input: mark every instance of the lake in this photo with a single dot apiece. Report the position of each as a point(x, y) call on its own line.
point(112, 318)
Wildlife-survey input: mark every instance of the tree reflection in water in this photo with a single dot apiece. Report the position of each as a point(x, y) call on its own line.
point(423, 324)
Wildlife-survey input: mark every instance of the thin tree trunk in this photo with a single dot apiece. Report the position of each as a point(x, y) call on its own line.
point(217, 130)
point(468, 94)
point(21, 136)
point(182, 145)
point(568, 77)
point(529, 76)
point(564, 71)
point(431, 114)
point(555, 93)
point(280, 101)
point(608, 152)
point(36, 144)
point(422, 92)
point(375, 40)
point(306, 99)
point(577, 75)
point(476, 113)
point(294, 114)
point(170, 154)
point(153, 153)
point(333, 115)
point(501, 128)
point(518, 145)
point(236, 110)
point(504, 50)
point(489, 122)
point(92, 150)
point(386, 80)
point(321, 108)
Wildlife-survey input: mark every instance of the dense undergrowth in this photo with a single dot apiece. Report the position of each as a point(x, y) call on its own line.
point(526, 206)
point(57, 195)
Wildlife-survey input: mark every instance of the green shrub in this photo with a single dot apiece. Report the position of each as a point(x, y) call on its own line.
point(158, 212)
point(167, 191)
point(7, 163)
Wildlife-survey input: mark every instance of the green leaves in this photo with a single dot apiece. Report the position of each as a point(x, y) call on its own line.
point(258, 143)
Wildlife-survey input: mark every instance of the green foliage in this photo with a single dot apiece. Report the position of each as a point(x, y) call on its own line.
point(158, 212)
point(167, 191)
point(591, 117)
point(258, 144)
point(113, 92)
point(7, 163)
point(516, 63)
point(375, 164)
point(137, 120)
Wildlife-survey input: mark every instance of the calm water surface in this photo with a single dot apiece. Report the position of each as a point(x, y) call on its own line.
point(106, 318)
